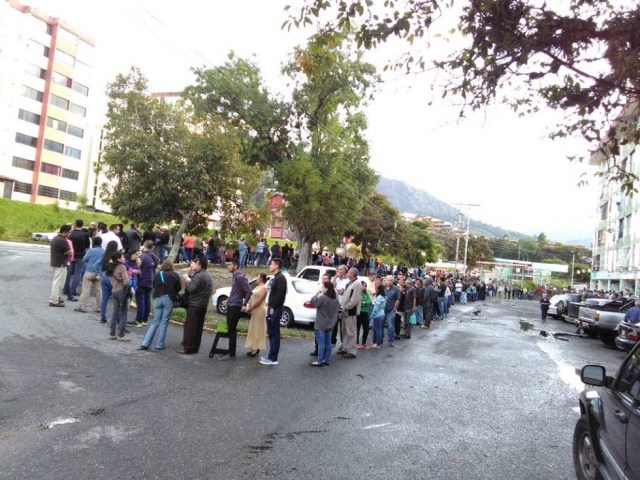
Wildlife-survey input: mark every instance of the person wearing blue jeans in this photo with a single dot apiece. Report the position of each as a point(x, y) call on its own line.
point(166, 287)
point(275, 307)
point(106, 288)
point(377, 313)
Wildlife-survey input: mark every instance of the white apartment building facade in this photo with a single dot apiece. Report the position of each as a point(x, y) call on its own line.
point(616, 242)
point(45, 78)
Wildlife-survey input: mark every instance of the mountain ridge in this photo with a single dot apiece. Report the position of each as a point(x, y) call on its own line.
point(409, 199)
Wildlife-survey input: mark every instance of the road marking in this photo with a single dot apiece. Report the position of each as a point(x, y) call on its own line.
point(61, 421)
point(379, 425)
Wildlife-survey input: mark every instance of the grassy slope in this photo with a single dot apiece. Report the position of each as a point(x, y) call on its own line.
point(18, 220)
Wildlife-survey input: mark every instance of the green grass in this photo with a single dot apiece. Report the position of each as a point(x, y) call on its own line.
point(212, 318)
point(18, 220)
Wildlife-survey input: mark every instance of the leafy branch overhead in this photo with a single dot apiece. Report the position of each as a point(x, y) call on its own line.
point(581, 57)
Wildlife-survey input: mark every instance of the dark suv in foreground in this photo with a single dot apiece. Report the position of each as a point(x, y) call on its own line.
point(606, 440)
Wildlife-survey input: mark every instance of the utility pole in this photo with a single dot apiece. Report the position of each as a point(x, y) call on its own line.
point(466, 240)
point(459, 226)
point(573, 266)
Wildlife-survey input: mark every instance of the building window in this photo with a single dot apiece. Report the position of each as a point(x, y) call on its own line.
point(53, 146)
point(29, 116)
point(601, 237)
point(621, 228)
point(38, 48)
point(604, 210)
point(65, 57)
point(33, 94)
point(50, 169)
point(75, 131)
point(72, 174)
point(26, 139)
point(596, 263)
point(78, 110)
point(47, 191)
point(57, 124)
point(21, 187)
point(23, 163)
point(72, 152)
point(81, 89)
point(59, 101)
point(628, 224)
point(61, 79)
point(66, 195)
point(36, 71)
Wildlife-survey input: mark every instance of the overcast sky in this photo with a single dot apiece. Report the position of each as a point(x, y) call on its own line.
point(521, 180)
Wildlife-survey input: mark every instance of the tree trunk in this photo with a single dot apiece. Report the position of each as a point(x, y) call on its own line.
point(305, 252)
point(173, 254)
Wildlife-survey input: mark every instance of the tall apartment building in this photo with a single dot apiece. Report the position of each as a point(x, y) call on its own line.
point(616, 245)
point(45, 74)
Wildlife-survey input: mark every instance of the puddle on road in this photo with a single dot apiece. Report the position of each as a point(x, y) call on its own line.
point(526, 326)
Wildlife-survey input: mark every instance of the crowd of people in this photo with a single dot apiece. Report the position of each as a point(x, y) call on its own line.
point(127, 266)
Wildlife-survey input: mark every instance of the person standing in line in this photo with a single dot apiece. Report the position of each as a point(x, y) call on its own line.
point(392, 295)
point(242, 253)
point(60, 254)
point(81, 243)
point(199, 287)
point(257, 334)
point(378, 316)
point(91, 279)
point(544, 306)
point(105, 284)
point(410, 308)
point(325, 278)
point(166, 287)
point(133, 239)
point(118, 277)
point(351, 300)
point(327, 307)
point(112, 235)
point(363, 317)
point(275, 306)
point(238, 298)
point(148, 264)
point(340, 282)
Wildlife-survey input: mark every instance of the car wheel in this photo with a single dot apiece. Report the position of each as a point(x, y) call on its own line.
point(286, 320)
point(609, 338)
point(584, 454)
point(220, 306)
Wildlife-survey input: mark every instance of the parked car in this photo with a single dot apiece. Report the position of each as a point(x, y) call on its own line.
point(573, 310)
point(296, 306)
point(628, 335)
point(559, 304)
point(315, 272)
point(603, 319)
point(606, 439)
point(44, 237)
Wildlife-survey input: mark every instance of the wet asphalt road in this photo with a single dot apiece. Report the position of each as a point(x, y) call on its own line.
point(475, 397)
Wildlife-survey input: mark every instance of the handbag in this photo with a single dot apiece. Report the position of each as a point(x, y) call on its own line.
point(181, 300)
point(412, 319)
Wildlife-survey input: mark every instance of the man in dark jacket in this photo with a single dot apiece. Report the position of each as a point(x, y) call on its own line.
point(199, 288)
point(133, 238)
point(275, 307)
point(238, 297)
point(81, 243)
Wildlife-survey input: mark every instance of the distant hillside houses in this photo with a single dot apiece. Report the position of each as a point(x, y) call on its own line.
point(435, 223)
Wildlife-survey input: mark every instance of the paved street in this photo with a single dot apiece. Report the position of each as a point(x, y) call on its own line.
point(481, 396)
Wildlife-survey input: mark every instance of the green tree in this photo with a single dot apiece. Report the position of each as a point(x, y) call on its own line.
point(327, 181)
point(578, 56)
point(163, 164)
point(377, 229)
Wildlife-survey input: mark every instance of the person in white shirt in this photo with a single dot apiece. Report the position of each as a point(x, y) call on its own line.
point(112, 235)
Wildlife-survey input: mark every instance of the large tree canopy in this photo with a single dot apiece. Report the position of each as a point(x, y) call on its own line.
point(163, 165)
point(579, 56)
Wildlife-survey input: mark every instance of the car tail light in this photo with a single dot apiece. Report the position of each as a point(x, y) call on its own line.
point(596, 318)
point(308, 305)
point(633, 336)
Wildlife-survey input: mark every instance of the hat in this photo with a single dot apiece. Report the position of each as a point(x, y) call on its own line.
point(164, 227)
